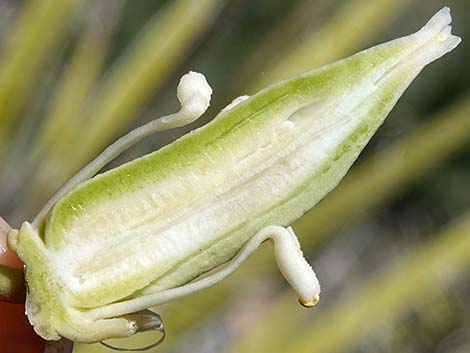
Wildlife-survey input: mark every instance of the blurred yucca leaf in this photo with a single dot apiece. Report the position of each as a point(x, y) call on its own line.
point(340, 35)
point(25, 54)
point(64, 116)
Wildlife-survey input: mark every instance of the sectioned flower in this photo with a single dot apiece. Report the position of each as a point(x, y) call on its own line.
point(109, 246)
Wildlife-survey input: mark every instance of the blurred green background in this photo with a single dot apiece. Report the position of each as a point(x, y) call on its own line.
point(391, 245)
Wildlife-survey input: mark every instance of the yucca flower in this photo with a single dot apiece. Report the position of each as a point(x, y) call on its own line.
point(107, 247)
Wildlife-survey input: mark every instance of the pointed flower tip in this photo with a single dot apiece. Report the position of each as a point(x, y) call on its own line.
point(436, 36)
point(438, 27)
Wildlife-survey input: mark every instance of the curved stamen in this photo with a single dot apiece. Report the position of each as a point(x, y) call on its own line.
point(296, 270)
point(194, 94)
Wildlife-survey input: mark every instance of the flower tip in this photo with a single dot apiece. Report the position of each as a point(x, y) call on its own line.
point(436, 36)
